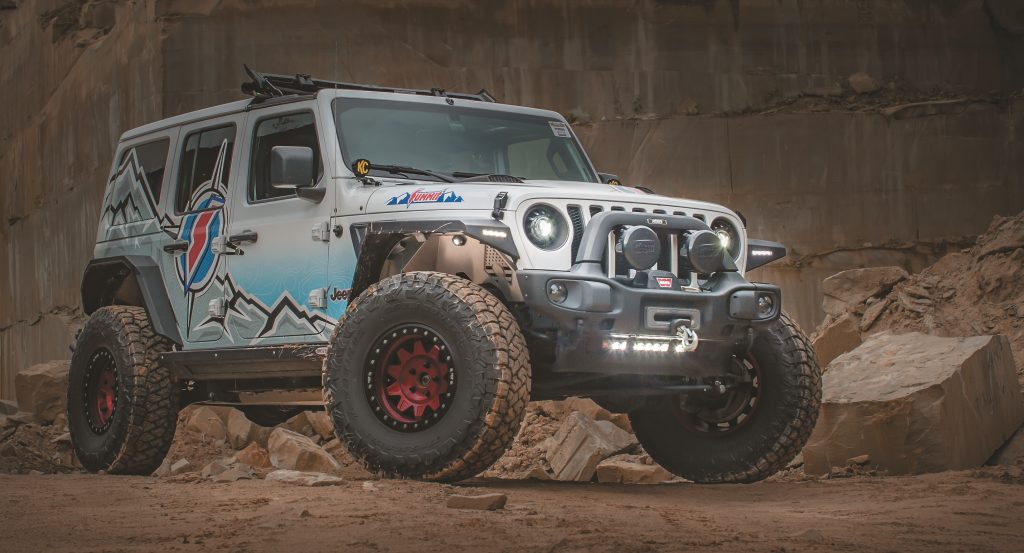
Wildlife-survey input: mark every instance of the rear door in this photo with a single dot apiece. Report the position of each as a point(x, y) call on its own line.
point(196, 216)
point(275, 283)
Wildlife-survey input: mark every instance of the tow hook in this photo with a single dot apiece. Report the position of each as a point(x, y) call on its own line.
point(686, 335)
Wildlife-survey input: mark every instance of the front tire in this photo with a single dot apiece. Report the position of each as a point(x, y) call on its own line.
point(122, 403)
point(744, 438)
point(427, 376)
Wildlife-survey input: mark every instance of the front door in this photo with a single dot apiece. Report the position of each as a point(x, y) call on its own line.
point(277, 253)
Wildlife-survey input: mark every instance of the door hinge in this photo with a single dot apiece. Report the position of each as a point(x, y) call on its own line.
point(322, 232)
point(218, 308)
point(318, 298)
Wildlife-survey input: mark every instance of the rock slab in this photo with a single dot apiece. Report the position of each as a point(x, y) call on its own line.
point(916, 403)
point(42, 389)
point(581, 443)
point(488, 502)
point(624, 472)
point(841, 336)
point(293, 451)
point(308, 479)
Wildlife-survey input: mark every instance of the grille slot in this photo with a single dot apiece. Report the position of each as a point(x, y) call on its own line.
point(576, 218)
point(595, 209)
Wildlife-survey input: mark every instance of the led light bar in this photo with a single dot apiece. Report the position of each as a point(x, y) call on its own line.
point(684, 342)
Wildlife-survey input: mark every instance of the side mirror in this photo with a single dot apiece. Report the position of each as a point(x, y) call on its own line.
point(293, 168)
point(609, 178)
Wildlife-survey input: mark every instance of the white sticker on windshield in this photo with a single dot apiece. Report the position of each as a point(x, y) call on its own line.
point(560, 129)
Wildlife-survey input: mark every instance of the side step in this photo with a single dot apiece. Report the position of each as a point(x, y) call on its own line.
point(285, 361)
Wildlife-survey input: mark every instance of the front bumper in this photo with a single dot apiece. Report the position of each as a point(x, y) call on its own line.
point(599, 315)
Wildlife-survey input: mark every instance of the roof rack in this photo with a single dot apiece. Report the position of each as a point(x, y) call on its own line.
point(268, 85)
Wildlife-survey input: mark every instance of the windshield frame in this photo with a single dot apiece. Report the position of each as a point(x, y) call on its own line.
point(502, 110)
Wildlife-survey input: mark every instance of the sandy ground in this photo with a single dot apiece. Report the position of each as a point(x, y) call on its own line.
point(971, 511)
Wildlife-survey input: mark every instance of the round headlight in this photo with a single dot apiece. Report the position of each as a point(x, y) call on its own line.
point(728, 236)
point(546, 227)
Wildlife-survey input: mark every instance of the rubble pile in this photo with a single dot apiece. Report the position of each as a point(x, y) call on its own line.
point(973, 292)
point(977, 292)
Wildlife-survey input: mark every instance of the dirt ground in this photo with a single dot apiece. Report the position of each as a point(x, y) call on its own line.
point(967, 511)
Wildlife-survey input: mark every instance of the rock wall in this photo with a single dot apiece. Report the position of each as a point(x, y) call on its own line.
point(745, 103)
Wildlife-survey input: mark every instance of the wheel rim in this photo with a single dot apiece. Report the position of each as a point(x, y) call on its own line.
point(100, 390)
point(410, 378)
point(735, 408)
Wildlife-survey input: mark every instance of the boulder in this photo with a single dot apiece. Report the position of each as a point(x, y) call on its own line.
point(613, 471)
point(849, 288)
point(213, 469)
point(241, 431)
point(836, 338)
point(207, 422)
point(308, 479)
point(591, 409)
point(1012, 452)
point(254, 456)
point(581, 443)
point(291, 450)
point(321, 423)
point(862, 83)
point(915, 403)
point(8, 407)
point(42, 389)
point(488, 502)
point(299, 424)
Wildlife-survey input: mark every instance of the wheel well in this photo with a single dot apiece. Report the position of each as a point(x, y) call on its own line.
point(384, 255)
point(112, 283)
point(130, 280)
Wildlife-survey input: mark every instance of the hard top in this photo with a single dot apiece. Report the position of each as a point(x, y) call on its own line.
point(265, 88)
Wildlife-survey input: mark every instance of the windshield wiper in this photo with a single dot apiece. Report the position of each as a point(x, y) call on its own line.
point(401, 170)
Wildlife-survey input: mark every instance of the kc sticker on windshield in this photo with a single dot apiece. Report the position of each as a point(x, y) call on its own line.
point(421, 196)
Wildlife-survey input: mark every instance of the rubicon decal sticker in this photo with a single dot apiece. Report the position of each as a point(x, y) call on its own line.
point(421, 196)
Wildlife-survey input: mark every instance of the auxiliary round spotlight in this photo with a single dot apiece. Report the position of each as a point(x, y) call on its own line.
point(765, 306)
point(459, 240)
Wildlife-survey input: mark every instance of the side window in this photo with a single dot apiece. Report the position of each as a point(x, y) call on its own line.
point(205, 164)
point(295, 129)
point(152, 158)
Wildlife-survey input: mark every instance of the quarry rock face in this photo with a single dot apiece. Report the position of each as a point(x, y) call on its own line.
point(293, 451)
point(916, 403)
point(581, 443)
point(42, 389)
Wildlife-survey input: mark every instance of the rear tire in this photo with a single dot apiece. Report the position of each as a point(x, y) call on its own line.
point(770, 430)
point(122, 403)
point(427, 376)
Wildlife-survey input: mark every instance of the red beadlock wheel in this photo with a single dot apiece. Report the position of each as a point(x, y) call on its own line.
point(410, 377)
point(100, 390)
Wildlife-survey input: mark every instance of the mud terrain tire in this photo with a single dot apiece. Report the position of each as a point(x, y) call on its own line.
point(788, 399)
point(487, 374)
point(122, 403)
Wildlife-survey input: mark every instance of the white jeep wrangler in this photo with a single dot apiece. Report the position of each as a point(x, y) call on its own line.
point(433, 261)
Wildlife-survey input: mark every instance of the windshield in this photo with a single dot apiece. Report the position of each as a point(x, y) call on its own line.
point(458, 140)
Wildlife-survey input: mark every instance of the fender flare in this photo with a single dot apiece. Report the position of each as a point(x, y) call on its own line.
point(373, 241)
point(103, 278)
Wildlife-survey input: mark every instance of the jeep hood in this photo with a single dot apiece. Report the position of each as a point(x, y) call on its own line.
point(395, 197)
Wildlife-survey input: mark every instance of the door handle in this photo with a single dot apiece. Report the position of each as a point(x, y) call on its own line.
point(176, 247)
point(244, 237)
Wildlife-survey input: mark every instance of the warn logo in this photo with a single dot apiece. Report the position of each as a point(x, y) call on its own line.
point(421, 196)
point(664, 282)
